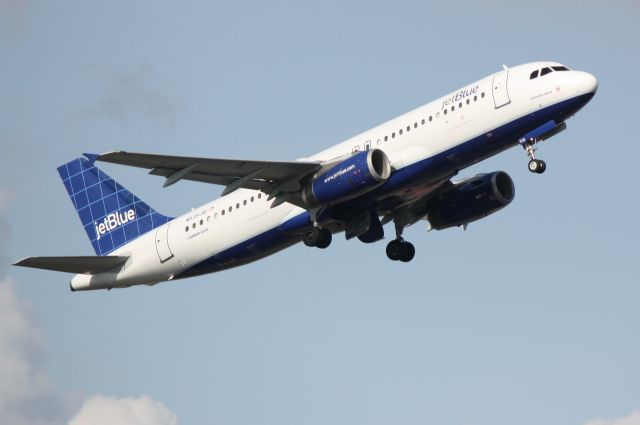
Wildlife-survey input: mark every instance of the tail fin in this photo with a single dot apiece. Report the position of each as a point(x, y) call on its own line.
point(110, 214)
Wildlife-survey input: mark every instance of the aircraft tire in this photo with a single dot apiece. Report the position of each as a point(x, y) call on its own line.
point(407, 252)
point(325, 239)
point(542, 166)
point(394, 250)
point(311, 237)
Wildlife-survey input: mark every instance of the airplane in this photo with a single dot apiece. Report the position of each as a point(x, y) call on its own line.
point(400, 171)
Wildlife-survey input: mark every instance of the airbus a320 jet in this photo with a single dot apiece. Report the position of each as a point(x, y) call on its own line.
point(401, 171)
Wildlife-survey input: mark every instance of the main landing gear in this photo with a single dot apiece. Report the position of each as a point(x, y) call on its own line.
point(535, 165)
point(318, 237)
point(399, 249)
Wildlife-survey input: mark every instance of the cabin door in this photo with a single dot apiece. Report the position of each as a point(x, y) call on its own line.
point(162, 243)
point(499, 89)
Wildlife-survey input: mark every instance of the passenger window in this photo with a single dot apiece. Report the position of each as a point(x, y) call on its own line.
point(244, 202)
point(400, 132)
point(459, 105)
point(408, 128)
point(216, 215)
point(534, 74)
point(186, 229)
point(445, 111)
point(230, 209)
point(386, 138)
point(545, 71)
point(201, 222)
point(430, 118)
point(259, 195)
point(238, 205)
point(393, 135)
point(222, 212)
point(423, 121)
point(252, 199)
point(415, 124)
point(482, 95)
point(453, 108)
point(475, 98)
point(468, 101)
point(193, 225)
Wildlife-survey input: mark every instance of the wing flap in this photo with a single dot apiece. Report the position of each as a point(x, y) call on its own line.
point(78, 264)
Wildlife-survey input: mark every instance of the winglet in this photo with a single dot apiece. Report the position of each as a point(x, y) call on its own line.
point(91, 157)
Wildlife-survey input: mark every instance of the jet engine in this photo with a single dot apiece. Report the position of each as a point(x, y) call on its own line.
point(471, 200)
point(356, 175)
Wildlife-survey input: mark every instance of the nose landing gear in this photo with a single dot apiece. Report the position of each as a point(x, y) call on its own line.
point(535, 165)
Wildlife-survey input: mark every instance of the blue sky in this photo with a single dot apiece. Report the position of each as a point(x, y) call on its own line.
point(530, 316)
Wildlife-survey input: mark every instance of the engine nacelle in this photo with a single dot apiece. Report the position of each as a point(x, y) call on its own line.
point(358, 174)
point(471, 200)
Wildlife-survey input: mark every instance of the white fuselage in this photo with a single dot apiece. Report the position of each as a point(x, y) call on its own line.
point(244, 220)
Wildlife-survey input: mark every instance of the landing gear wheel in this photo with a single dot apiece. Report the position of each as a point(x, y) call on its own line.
point(317, 237)
point(407, 252)
point(311, 236)
point(325, 239)
point(543, 167)
point(533, 166)
point(537, 166)
point(394, 250)
point(399, 250)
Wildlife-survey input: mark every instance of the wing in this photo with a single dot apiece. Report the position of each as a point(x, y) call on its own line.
point(268, 176)
point(82, 265)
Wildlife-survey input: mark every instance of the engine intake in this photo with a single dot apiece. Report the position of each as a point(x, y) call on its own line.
point(471, 200)
point(358, 174)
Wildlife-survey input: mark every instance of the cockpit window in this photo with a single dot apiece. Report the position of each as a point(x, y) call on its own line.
point(534, 74)
point(545, 71)
point(560, 68)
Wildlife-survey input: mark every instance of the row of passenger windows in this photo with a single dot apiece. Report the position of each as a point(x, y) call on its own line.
point(437, 115)
point(386, 138)
point(547, 70)
point(224, 211)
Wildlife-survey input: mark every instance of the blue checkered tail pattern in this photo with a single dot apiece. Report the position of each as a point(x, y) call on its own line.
point(111, 215)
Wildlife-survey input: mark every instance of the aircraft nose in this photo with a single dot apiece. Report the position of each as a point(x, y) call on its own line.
point(590, 83)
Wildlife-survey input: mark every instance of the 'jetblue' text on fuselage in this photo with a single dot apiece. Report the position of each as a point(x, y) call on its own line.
point(459, 96)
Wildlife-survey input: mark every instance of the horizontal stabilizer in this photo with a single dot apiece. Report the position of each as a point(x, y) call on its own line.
point(81, 265)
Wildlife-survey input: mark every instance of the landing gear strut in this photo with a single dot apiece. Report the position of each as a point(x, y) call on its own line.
point(318, 237)
point(535, 165)
point(399, 249)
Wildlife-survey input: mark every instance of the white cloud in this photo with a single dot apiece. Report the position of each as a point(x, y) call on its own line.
point(100, 410)
point(27, 393)
point(632, 419)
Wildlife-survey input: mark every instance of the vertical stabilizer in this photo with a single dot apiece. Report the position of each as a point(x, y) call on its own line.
point(111, 215)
